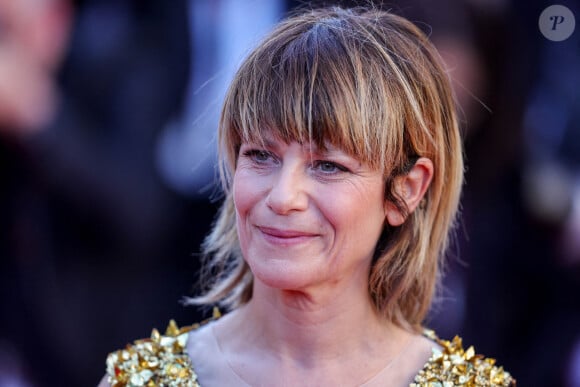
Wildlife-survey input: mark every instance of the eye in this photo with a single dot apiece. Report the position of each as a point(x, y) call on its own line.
point(329, 167)
point(257, 155)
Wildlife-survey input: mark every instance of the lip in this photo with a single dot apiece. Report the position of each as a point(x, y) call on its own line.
point(285, 236)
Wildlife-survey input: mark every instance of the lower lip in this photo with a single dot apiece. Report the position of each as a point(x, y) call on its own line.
point(286, 241)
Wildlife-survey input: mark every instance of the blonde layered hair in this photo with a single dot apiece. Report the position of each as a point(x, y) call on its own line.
point(371, 83)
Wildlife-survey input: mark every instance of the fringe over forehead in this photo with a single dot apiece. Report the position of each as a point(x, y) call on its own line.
point(334, 76)
point(370, 83)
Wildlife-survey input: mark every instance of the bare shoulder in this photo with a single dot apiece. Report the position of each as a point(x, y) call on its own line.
point(104, 382)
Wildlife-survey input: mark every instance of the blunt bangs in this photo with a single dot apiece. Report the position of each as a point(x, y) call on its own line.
point(371, 84)
point(311, 82)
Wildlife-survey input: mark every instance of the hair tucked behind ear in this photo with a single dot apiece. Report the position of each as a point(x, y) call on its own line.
point(371, 83)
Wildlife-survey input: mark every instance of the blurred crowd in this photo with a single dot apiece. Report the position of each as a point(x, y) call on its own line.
point(108, 110)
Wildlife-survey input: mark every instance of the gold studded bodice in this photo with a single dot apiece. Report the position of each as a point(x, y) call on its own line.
point(162, 360)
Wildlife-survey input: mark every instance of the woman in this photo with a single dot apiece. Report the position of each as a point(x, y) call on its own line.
point(342, 168)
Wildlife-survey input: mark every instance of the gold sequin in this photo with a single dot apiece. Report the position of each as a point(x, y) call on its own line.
point(454, 366)
point(162, 360)
point(157, 361)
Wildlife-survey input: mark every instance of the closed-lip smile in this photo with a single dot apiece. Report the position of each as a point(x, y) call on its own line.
point(274, 234)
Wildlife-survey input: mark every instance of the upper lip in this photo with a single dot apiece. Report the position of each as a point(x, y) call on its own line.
point(284, 233)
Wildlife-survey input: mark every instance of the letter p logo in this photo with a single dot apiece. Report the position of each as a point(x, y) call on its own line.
point(557, 23)
point(558, 19)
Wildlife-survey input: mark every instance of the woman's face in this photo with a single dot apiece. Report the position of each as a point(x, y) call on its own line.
point(306, 217)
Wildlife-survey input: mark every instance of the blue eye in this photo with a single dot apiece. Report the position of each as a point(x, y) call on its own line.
point(257, 155)
point(329, 167)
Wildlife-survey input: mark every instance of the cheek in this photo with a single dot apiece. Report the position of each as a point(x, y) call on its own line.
point(356, 214)
point(246, 193)
point(355, 201)
point(242, 195)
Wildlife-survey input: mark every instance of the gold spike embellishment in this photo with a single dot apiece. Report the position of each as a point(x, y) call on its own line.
point(160, 360)
point(453, 366)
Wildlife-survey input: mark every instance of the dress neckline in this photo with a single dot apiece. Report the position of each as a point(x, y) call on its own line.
point(165, 360)
point(204, 343)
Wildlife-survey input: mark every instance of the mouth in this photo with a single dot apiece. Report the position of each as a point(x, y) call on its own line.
point(285, 236)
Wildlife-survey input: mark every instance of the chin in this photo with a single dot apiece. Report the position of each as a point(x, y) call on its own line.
point(280, 276)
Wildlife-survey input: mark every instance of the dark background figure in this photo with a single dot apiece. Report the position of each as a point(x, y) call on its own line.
point(512, 289)
point(521, 187)
point(106, 166)
point(93, 244)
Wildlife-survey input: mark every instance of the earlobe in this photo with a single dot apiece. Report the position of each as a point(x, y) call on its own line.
point(411, 189)
point(393, 216)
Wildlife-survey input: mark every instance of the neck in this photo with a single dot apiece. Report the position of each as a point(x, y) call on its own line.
point(326, 337)
point(331, 337)
point(314, 332)
point(308, 324)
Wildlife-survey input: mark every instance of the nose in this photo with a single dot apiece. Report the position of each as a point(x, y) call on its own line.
point(287, 193)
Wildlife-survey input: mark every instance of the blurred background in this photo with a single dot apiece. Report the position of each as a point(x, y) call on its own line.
point(108, 112)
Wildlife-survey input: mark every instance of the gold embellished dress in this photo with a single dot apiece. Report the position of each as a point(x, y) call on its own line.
point(162, 360)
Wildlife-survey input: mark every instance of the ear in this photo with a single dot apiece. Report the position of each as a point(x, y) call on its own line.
point(411, 188)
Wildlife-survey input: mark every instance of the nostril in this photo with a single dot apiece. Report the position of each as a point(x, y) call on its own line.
point(287, 195)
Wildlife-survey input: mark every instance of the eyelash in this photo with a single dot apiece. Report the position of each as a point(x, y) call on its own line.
point(339, 168)
point(254, 154)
